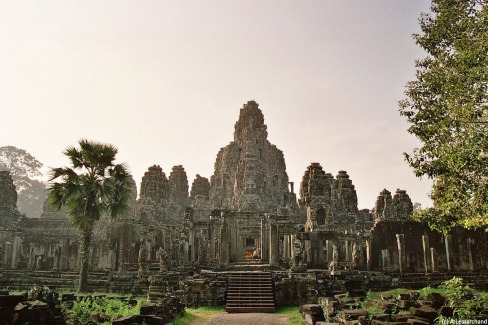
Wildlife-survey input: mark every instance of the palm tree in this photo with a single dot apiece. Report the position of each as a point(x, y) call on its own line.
point(92, 187)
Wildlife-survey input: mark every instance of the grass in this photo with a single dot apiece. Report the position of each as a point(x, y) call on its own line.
point(204, 314)
point(292, 313)
point(198, 315)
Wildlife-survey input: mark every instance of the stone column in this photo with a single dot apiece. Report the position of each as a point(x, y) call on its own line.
point(286, 253)
point(120, 254)
point(191, 244)
point(211, 234)
point(448, 259)
point(258, 246)
point(264, 239)
point(401, 251)
point(57, 258)
point(7, 257)
point(425, 245)
point(385, 259)
point(368, 255)
point(233, 238)
point(292, 247)
point(274, 245)
point(355, 259)
point(241, 245)
point(32, 263)
point(65, 254)
point(334, 265)
point(224, 245)
point(432, 259)
point(314, 258)
point(470, 242)
point(320, 251)
point(15, 251)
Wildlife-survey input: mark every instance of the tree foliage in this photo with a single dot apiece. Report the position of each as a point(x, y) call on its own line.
point(26, 173)
point(94, 186)
point(447, 108)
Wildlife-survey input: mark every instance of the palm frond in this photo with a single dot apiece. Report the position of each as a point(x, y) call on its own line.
point(101, 188)
point(75, 156)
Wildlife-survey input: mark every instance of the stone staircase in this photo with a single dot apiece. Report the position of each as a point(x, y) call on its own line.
point(250, 292)
point(26, 279)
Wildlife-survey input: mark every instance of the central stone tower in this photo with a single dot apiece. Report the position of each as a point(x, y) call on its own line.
point(250, 172)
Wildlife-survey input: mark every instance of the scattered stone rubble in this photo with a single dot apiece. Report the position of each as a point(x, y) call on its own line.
point(402, 309)
point(42, 306)
point(159, 313)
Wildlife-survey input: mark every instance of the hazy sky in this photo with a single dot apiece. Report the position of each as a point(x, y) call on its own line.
point(164, 81)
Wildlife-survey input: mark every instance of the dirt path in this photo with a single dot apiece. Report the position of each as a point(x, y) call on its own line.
point(240, 319)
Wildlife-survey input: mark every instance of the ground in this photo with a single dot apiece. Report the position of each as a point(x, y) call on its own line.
point(238, 319)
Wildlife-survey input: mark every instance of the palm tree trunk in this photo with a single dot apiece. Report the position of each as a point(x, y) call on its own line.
point(84, 261)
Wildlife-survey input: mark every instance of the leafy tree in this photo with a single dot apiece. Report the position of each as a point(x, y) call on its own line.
point(447, 108)
point(94, 186)
point(26, 173)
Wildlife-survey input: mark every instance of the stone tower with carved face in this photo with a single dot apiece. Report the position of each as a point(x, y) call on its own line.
point(250, 172)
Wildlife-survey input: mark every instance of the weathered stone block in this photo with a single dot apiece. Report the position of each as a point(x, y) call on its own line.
point(354, 322)
point(416, 321)
point(387, 296)
point(382, 317)
point(425, 302)
point(148, 309)
point(402, 317)
point(10, 301)
point(328, 305)
point(446, 311)
point(427, 312)
point(377, 322)
point(351, 306)
point(404, 296)
point(311, 309)
point(406, 304)
point(68, 297)
point(345, 315)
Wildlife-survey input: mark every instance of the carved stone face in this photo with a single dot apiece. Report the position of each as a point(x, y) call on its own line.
point(250, 187)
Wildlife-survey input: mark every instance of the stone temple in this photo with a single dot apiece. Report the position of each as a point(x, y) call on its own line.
point(190, 240)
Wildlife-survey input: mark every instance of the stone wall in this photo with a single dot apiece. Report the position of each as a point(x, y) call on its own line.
point(206, 289)
point(410, 246)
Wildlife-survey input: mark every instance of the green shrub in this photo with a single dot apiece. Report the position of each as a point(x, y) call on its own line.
point(466, 302)
point(425, 292)
point(103, 310)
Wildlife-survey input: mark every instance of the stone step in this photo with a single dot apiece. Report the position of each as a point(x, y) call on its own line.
point(250, 301)
point(250, 285)
point(250, 295)
point(249, 292)
point(249, 289)
point(254, 309)
point(250, 304)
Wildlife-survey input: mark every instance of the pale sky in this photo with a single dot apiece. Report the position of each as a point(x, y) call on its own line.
point(164, 81)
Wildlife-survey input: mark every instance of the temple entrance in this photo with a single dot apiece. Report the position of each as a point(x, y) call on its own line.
point(250, 248)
